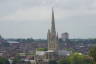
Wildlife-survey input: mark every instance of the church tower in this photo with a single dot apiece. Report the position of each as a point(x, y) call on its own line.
point(52, 37)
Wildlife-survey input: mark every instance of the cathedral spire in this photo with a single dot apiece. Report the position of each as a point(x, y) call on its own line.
point(52, 37)
point(53, 23)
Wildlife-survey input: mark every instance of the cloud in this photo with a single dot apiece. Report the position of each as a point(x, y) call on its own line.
point(70, 15)
point(34, 13)
point(26, 14)
point(42, 13)
point(40, 10)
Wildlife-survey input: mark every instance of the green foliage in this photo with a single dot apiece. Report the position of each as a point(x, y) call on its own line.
point(76, 58)
point(52, 62)
point(4, 61)
point(42, 49)
point(63, 61)
point(92, 53)
point(17, 59)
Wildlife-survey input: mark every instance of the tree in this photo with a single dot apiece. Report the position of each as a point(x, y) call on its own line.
point(63, 61)
point(76, 58)
point(42, 49)
point(52, 62)
point(16, 60)
point(4, 61)
point(92, 53)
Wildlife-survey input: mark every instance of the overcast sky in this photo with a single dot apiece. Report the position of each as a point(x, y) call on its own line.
point(32, 18)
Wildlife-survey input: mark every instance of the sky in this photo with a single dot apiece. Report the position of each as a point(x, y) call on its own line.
point(32, 18)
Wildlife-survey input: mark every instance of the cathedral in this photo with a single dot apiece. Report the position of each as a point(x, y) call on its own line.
point(52, 37)
point(53, 52)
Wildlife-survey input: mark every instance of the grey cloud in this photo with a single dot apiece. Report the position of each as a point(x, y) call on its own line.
point(80, 26)
point(13, 5)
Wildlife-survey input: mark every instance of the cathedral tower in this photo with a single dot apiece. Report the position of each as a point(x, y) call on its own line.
point(52, 37)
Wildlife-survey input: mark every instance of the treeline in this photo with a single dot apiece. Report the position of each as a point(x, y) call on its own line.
point(78, 58)
point(30, 40)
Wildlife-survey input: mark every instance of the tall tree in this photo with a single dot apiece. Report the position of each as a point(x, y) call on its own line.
point(4, 61)
point(92, 53)
point(76, 58)
point(52, 62)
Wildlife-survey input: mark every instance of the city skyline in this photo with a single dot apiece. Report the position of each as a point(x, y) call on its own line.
point(28, 18)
